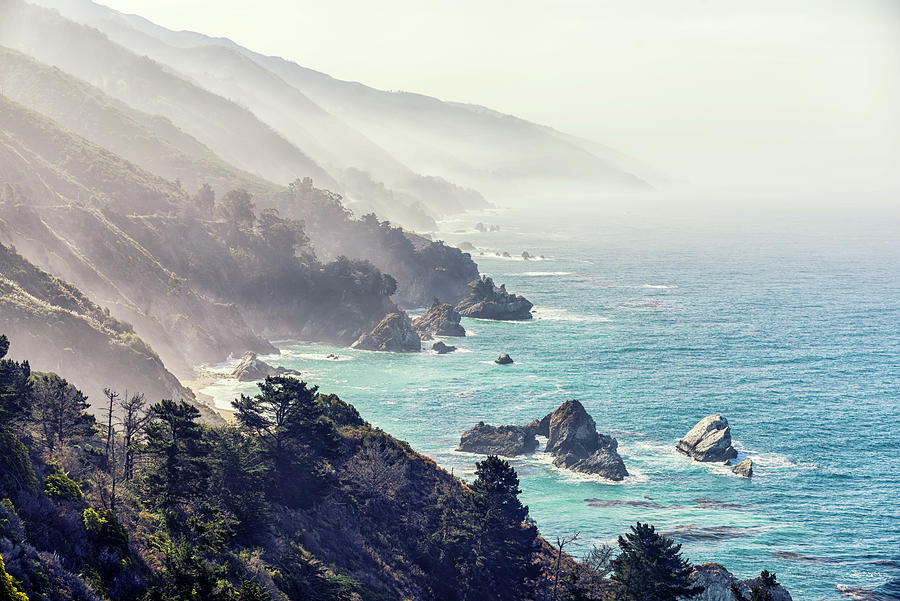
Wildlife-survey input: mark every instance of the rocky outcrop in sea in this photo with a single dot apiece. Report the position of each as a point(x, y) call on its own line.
point(394, 333)
point(508, 441)
point(709, 440)
point(485, 301)
point(572, 438)
point(721, 585)
point(440, 320)
point(252, 368)
point(503, 359)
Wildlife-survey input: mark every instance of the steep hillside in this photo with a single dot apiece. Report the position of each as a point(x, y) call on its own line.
point(231, 131)
point(59, 329)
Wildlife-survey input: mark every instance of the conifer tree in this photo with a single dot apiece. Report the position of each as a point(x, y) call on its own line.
point(174, 442)
point(650, 568)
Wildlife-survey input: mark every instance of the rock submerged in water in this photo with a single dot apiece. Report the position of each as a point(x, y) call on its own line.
point(503, 359)
point(572, 438)
point(709, 440)
point(744, 468)
point(508, 441)
point(442, 349)
point(440, 320)
point(394, 333)
point(251, 368)
point(721, 585)
point(485, 301)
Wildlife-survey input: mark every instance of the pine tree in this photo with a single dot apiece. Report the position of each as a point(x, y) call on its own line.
point(505, 543)
point(15, 388)
point(174, 442)
point(293, 436)
point(650, 568)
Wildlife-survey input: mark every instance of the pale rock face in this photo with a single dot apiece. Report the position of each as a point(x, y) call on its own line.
point(709, 440)
point(721, 585)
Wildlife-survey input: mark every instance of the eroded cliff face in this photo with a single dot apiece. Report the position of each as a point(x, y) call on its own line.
point(56, 327)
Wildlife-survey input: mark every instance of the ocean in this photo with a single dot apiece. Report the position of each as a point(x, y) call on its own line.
point(786, 324)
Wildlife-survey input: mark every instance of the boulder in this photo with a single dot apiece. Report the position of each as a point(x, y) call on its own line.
point(573, 439)
point(508, 441)
point(394, 333)
point(440, 320)
point(503, 359)
point(485, 301)
point(252, 368)
point(744, 468)
point(721, 585)
point(442, 349)
point(709, 440)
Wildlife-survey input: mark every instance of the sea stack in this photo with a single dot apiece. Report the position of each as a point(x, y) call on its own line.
point(709, 440)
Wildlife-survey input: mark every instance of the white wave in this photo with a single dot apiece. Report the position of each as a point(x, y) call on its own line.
point(538, 274)
point(556, 314)
point(658, 286)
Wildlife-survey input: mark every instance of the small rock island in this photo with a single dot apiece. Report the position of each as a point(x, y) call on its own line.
point(709, 440)
point(251, 369)
point(572, 438)
point(485, 301)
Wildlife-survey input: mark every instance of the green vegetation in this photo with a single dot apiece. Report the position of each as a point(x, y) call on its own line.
point(298, 499)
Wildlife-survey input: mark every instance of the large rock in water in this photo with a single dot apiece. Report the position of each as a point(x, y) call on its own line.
point(485, 301)
point(709, 440)
point(440, 320)
point(508, 441)
point(721, 585)
point(573, 439)
point(393, 333)
point(252, 368)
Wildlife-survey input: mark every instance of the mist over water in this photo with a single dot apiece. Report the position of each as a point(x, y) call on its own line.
point(654, 318)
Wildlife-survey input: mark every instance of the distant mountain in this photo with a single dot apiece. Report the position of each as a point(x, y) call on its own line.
point(474, 146)
point(150, 141)
point(229, 130)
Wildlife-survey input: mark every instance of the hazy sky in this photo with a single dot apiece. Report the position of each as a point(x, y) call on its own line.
point(783, 95)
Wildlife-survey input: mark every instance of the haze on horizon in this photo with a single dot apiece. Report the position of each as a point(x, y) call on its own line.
point(769, 98)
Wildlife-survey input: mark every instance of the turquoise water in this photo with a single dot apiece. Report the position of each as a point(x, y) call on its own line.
point(789, 329)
